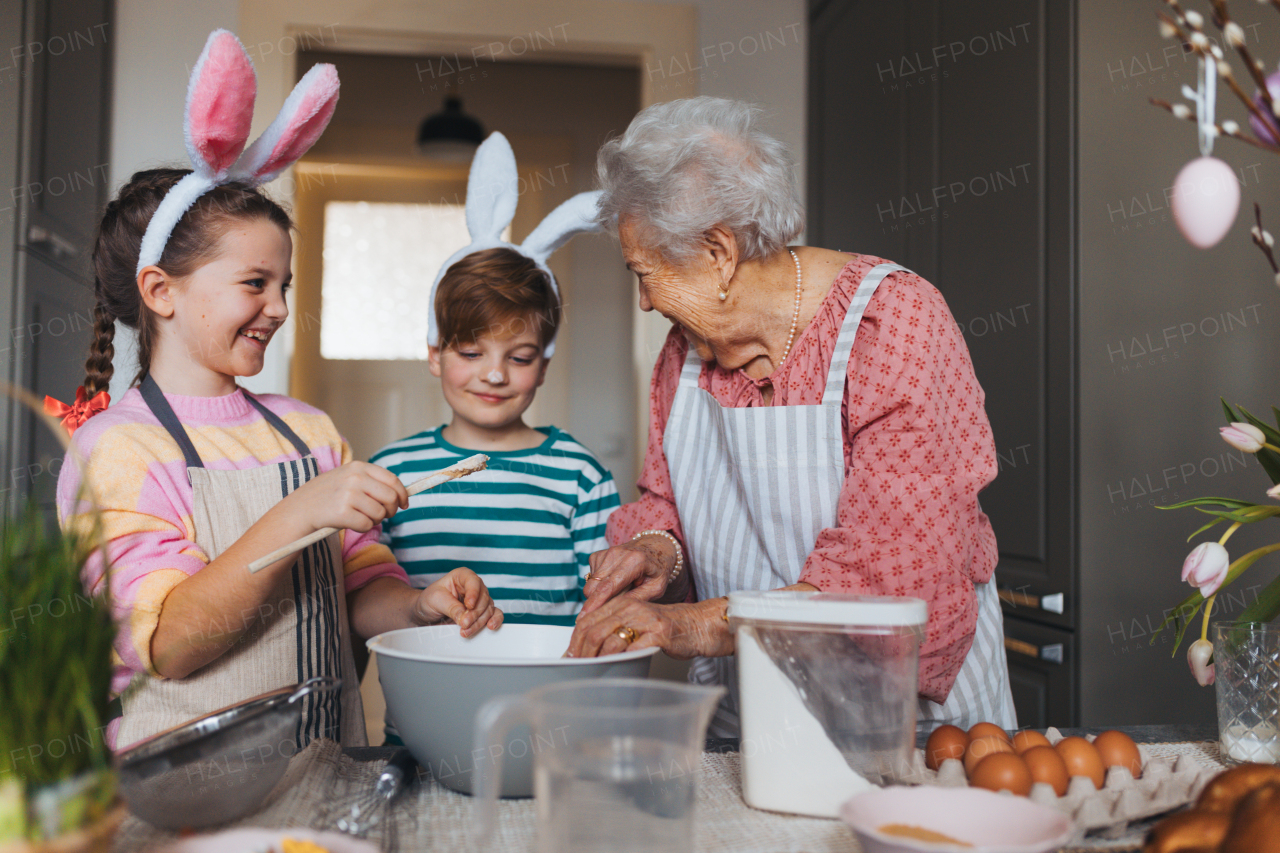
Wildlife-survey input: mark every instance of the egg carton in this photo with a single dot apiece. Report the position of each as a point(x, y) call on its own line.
point(1165, 784)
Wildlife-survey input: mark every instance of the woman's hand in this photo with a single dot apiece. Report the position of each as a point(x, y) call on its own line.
point(356, 496)
point(462, 597)
point(681, 630)
point(639, 570)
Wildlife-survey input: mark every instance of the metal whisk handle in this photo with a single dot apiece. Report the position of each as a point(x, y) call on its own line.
point(391, 781)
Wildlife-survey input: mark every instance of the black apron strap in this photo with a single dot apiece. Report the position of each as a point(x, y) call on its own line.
point(160, 407)
point(279, 425)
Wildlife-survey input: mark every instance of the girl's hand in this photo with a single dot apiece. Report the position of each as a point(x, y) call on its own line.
point(461, 597)
point(681, 630)
point(356, 496)
point(639, 569)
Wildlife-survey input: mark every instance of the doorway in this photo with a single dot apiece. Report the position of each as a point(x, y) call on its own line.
point(376, 219)
point(374, 238)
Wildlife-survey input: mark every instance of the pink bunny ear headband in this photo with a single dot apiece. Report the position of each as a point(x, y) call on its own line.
point(493, 188)
point(216, 126)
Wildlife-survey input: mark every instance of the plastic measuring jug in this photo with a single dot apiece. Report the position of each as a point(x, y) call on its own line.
point(615, 762)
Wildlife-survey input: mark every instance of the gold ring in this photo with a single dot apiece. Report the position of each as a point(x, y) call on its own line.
point(589, 577)
point(626, 634)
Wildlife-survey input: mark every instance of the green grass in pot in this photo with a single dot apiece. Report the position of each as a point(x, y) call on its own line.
point(55, 678)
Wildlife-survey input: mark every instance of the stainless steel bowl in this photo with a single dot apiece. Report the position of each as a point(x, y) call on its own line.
point(217, 768)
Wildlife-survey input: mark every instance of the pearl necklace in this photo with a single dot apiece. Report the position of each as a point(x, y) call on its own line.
point(795, 314)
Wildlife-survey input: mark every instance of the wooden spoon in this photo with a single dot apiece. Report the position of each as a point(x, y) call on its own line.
point(470, 465)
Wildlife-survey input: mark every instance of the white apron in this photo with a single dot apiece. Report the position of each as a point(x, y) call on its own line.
point(299, 633)
point(755, 486)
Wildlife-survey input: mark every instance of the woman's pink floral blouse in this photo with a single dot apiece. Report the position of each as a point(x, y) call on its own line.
point(917, 446)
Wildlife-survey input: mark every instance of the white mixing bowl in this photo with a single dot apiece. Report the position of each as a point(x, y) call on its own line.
point(435, 681)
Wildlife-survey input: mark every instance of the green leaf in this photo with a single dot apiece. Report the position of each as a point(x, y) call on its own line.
point(1227, 502)
point(1231, 416)
point(1244, 516)
point(1182, 616)
point(1276, 412)
point(1213, 523)
point(1267, 607)
point(1184, 621)
point(1270, 462)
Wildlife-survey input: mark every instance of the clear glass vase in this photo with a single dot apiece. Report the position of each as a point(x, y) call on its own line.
point(1247, 680)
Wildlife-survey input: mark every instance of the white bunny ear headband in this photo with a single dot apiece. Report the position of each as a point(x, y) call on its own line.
point(492, 192)
point(216, 126)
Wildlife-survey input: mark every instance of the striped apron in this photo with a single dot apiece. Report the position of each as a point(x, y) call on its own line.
point(298, 633)
point(755, 486)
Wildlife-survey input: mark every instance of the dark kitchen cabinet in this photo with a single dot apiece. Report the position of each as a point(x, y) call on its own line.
point(1008, 152)
point(63, 70)
point(943, 142)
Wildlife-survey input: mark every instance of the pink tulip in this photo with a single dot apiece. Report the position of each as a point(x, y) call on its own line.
point(1198, 658)
point(1274, 492)
point(1206, 567)
point(1246, 437)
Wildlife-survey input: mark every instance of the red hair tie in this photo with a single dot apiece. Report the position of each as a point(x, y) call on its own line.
point(74, 416)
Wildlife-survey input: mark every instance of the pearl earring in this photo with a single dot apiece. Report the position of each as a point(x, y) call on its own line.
point(723, 295)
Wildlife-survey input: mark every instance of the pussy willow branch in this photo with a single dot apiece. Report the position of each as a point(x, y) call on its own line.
point(1221, 18)
point(1188, 43)
point(1236, 134)
point(1260, 242)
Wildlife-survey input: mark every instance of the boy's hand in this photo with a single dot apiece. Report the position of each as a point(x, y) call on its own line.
point(356, 496)
point(462, 597)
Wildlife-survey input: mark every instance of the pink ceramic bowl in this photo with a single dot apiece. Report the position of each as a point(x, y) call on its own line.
point(992, 823)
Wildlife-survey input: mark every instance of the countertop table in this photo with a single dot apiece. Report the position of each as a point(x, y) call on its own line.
point(324, 779)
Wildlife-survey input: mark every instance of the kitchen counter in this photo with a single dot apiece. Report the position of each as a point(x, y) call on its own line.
point(324, 779)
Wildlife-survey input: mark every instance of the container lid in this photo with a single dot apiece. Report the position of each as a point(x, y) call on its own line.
point(827, 608)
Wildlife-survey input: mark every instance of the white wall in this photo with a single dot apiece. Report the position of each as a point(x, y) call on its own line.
point(753, 50)
point(156, 43)
point(749, 49)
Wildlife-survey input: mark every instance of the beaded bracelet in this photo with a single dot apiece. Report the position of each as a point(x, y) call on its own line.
point(675, 570)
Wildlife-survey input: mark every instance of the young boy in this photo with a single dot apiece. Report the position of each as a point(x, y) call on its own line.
point(527, 524)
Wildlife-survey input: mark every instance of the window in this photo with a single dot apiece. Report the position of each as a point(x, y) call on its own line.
point(379, 262)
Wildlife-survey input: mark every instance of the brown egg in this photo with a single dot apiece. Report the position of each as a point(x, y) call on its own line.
point(1117, 749)
point(1082, 760)
point(1002, 771)
point(945, 742)
point(987, 730)
point(1047, 766)
point(982, 748)
point(1027, 738)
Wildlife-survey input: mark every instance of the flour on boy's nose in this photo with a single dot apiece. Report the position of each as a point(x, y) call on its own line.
point(494, 376)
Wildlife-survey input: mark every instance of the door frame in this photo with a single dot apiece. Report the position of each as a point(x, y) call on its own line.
point(643, 35)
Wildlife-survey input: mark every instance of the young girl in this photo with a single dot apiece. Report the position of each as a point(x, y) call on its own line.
point(195, 478)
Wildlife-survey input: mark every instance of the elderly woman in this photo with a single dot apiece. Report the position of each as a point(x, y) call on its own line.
point(815, 422)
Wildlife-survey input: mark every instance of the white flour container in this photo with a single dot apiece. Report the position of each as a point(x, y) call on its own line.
point(827, 686)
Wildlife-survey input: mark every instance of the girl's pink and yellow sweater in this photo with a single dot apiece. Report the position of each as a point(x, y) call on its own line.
point(139, 478)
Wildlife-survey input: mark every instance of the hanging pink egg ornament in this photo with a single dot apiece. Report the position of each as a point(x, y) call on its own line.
point(1206, 198)
point(1267, 129)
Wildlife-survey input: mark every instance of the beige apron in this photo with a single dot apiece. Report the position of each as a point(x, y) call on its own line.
point(301, 630)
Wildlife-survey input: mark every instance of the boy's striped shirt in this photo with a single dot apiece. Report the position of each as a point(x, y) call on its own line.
point(526, 524)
